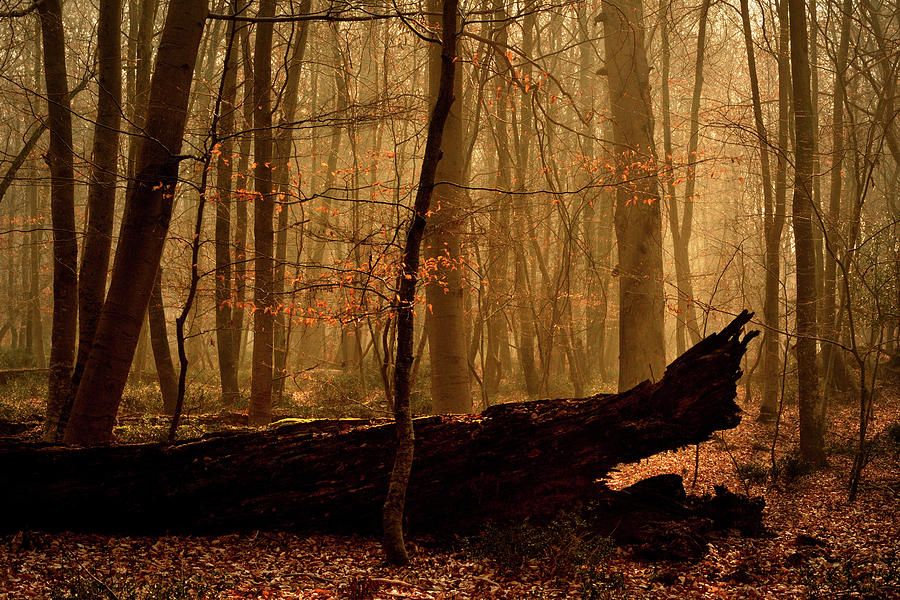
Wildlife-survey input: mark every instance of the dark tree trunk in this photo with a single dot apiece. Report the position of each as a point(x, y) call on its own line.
point(812, 445)
point(62, 212)
point(145, 224)
point(514, 460)
point(263, 211)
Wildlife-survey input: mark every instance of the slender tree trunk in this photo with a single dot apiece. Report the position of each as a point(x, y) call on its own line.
point(392, 515)
point(769, 404)
point(159, 342)
point(450, 388)
point(832, 224)
point(812, 445)
point(34, 292)
point(225, 301)
point(283, 147)
point(62, 210)
point(101, 191)
point(263, 211)
point(144, 227)
point(774, 227)
point(638, 220)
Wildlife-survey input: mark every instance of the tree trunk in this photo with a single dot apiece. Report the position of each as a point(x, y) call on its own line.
point(162, 352)
point(516, 460)
point(263, 210)
point(773, 229)
point(832, 222)
point(812, 444)
point(62, 211)
point(225, 301)
point(638, 220)
point(101, 190)
point(450, 388)
point(283, 147)
point(144, 226)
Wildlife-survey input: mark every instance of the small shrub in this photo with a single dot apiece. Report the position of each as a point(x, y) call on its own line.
point(78, 586)
point(853, 577)
point(558, 547)
point(892, 435)
point(602, 585)
point(15, 358)
point(753, 472)
point(790, 468)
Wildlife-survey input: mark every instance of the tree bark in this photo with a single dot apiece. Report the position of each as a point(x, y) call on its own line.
point(515, 460)
point(159, 343)
point(263, 210)
point(812, 444)
point(224, 294)
point(62, 211)
point(398, 483)
point(773, 229)
point(144, 227)
point(638, 219)
point(450, 387)
point(101, 191)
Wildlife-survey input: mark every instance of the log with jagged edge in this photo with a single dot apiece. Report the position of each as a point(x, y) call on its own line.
point(515, 459)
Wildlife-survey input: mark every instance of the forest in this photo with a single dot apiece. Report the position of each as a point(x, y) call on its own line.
point(442, 299)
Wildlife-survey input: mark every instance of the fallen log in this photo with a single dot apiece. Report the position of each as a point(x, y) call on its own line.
point(512, 460)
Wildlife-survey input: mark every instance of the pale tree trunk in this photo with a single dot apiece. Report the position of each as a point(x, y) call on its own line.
point(144, 227)
point(242, 183)
point(34, 293)
point(392, 515)
point(522, 123)
point(62, 211)
point(159, 343)
point(225, 301)
point(832, 223)
point(768, 210)
point(773, 229)
point(101, 190)
point(283, 146)
point(450, 388)
point(498, 240)
point(686, 319)
point(260, 411)
point(812, 446)
point(638, 220)
point(598, 210)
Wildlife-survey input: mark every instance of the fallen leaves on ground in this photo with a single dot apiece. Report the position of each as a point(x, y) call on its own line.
point(821, 546)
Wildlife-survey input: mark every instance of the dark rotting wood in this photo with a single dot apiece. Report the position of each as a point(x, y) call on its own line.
point(512, 460)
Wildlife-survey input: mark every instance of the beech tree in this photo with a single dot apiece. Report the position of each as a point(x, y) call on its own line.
point(144, 225)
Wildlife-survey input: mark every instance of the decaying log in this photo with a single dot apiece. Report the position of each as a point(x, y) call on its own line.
point(514, 459)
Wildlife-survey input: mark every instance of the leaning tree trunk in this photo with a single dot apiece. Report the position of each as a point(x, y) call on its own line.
point(514, 460)
point(145, 224)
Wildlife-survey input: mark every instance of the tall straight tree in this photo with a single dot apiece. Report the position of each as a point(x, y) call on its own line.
point(263, 211)
point(225, 338)
point(62, 211)
point(812, 445)
point(450, 387)
point(773, 228)
point(145, 224)
point(638, 220)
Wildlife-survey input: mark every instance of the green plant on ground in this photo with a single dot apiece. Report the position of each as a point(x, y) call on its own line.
point(86, 586)
point(559, 547)
point(753, 472)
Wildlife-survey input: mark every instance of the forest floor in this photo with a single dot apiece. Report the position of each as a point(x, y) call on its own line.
point(819, 545)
